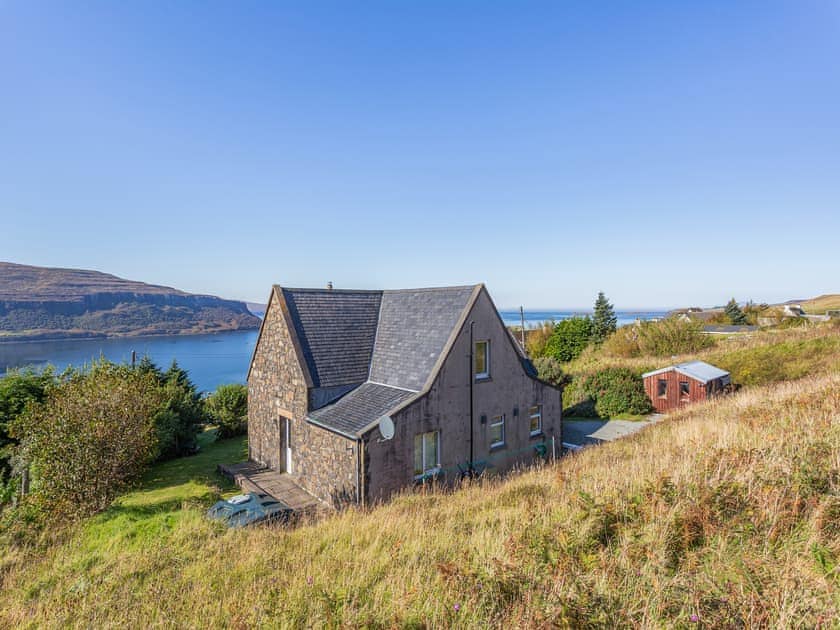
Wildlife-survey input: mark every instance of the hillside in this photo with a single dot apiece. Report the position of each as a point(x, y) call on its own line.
point(50, 303)
point(819, 305)
point(727, 514)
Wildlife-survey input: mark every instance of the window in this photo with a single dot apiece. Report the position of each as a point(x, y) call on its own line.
point(497, 431)
point(662, 388)
point(426, 453)
point(684, 389)
point(535, 414)
point(482, 359)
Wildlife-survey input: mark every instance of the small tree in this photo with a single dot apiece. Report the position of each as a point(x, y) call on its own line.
point(228, 408)
point(93, 433)
point(569, 339)
point(604, 321)
point(182, 413)
point(734, 313)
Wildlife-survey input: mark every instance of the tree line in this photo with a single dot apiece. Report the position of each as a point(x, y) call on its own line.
point(72, 440)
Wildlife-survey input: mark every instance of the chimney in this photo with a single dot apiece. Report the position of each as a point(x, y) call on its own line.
point(329, 285)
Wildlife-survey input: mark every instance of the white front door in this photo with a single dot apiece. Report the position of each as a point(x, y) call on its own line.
point(288, 445)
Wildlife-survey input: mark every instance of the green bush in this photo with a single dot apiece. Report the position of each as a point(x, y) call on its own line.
point(93, 433)
point(228, 408)
point(569, 339)
point(616, 391)
point(17, 388)
point(182, 414)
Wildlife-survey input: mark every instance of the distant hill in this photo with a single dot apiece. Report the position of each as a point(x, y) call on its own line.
point(51, 303)
point(257, 308)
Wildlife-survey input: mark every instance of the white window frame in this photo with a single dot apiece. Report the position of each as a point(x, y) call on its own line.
point(496, 421)
point(436, 468)
point(486, 372)
point(538, 415)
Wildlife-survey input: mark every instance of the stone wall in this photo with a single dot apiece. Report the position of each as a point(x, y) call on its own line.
point(389, 465)
point(323, 463)
point(276, 390)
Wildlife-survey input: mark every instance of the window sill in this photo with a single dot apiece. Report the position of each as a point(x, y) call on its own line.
point(483, 379)
point(498, 447)
point(537, 434)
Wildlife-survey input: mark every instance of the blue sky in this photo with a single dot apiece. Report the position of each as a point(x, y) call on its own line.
point(667, 153)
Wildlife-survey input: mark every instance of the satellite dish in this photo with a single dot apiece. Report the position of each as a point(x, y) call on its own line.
point(386, 427)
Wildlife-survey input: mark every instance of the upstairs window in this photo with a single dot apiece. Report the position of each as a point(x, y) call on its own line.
point(685, 389)
point(535, 414)
point(497, 431)
point(426, 453)
point(482, 359)
point(662, 388)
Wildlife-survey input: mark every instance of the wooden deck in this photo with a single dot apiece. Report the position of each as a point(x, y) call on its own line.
point(254, 477)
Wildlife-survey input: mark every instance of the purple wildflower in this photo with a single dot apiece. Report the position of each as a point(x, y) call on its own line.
point(309, 580)
point(457, 607)
point(695, 618)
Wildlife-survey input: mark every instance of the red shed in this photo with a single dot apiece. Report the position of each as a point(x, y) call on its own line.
point(678, 385)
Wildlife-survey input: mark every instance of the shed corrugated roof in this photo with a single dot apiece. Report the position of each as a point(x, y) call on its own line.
point(698, 370)
point(358, 409)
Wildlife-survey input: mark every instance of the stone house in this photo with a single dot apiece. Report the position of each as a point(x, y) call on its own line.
point(456, 392)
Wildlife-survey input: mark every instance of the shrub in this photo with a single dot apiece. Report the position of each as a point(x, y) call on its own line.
point(537, 338)
point(659, 339)
point(93, 433)
point(182, 413)
point(228, 408)
point(569, 339)
point(615, 391)
point(17, 388)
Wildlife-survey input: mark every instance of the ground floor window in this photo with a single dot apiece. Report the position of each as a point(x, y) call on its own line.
point(662, 388)
point(684, 389)
point(497, 431)
point(426, 453)
point(535, 414)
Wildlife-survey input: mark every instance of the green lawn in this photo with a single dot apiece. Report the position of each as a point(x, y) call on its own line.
point(156, 506)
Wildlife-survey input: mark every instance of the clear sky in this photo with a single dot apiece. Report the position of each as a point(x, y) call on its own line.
point(667, 153)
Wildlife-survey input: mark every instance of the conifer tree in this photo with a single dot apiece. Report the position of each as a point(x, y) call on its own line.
point(734, 313)
point(604, 321)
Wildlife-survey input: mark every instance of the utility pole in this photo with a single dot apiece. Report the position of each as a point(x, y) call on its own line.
point(522, 331)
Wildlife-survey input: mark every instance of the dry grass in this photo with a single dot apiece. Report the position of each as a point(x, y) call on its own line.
point(729, 512)
point(814, 345)
point(821, 304)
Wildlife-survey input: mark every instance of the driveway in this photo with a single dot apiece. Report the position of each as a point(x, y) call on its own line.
point(584, 432)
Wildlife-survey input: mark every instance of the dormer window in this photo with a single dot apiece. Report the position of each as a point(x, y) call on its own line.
point(482, 359)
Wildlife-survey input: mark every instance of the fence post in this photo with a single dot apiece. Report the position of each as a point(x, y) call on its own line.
point(553, 449)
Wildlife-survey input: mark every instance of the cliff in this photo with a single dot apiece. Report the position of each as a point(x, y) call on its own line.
point(48, 303)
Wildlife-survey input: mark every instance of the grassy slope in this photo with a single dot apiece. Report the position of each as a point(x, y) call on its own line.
point(765, 357)
point(821, 304)
point(729, 511)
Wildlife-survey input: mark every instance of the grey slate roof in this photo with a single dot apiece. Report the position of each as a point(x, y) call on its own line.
point(698, 370)
point(374, 349)
point(336, 331)
point(359, 408)
point(414, 326)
